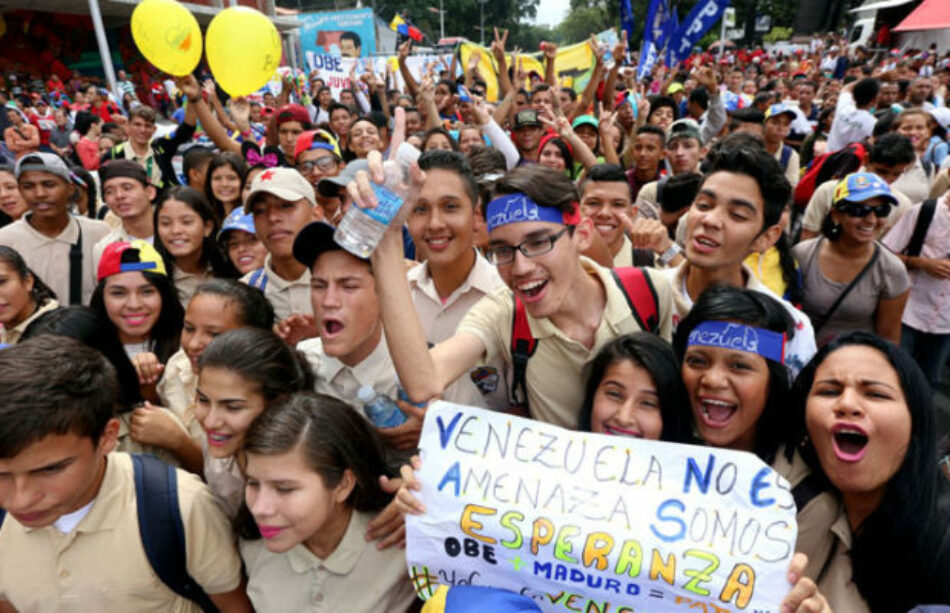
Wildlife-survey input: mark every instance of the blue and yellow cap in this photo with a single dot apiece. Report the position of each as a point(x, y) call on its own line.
point(861, 186)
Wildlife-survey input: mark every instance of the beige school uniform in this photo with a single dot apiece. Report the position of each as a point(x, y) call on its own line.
point(186, 283)
point(48, 258)
point(647, 204)
point(793, 169)
point(176, 391)
point(835, 582)
point(823, 198)
point(224, 478)
point(356, 577)
point(287, 297)
point(117, 235)
point(440, 319)
point(557, 371)
point(101, 566)
point(12, 336)
point(915, 182)
point(624, 256)
point(334, 378)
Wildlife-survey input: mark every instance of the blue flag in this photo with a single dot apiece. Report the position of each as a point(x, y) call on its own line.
point(672, 25)
point(626, 19)
point(653, 36)
point(703, 16)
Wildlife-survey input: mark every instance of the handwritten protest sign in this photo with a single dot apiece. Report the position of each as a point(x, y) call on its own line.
point(594, 523)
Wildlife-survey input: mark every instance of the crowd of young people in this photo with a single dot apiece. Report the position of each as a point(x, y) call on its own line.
point(208, 317)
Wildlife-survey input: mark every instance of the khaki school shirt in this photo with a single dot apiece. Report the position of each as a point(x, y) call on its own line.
point(334, 378)
point(101, 566)
point(440, 319)
point(287, 297)
point(12, 336)
point(647, 204)
point(793, 169)
point(176, 390)
point(822, 199)
point(556, 373)
point(835, 583)
point(48, 258)
point(356, 577)
point(186, 283)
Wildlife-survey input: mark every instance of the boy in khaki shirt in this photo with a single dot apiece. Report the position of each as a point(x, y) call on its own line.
point(573, 305)
point(70, 538)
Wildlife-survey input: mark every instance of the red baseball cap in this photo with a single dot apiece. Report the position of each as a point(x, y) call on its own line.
point(293, 112)
point(130, 257)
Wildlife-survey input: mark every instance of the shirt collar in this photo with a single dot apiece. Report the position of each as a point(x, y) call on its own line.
point(69, 235)
point(616, 308)
point(343, 559)
point(281, 283)
point(377, 366)
point(483, 278)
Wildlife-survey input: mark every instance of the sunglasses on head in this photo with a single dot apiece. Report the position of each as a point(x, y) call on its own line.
point(860, 209)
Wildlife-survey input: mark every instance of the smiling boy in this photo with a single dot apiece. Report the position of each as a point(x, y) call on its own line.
point(736, 212)
point(282, 202)
point(572, 305)
point(57, 246)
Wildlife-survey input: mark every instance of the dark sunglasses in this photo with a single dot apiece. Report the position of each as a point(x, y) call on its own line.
point(859, 209)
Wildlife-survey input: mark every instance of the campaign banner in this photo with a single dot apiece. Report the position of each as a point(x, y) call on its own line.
point(703, 16)
point(574, 64)
point(589, 522)
point(338, 33)
point(337, 72)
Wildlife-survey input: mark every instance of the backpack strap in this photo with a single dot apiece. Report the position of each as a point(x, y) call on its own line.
point(924, 217)
point(641, 296)
point(258, 279)
point(807, 489)
point(161, 528)
point(523, 346)
point(75, 268)
point(786, 156)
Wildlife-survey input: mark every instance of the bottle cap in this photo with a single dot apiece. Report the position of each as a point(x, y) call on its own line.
point(366, 394)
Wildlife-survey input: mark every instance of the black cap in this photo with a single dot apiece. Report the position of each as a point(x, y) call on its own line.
point(527, 117)
point(315, 239)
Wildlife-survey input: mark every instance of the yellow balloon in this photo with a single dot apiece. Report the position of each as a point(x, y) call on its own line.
point(167, 35)
point(243, 49)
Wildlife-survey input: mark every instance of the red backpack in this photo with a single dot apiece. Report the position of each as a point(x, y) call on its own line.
point(827, 167)
point(641, 297)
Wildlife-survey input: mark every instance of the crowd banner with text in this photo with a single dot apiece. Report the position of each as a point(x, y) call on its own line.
point(338, 33)
point(703, 17)
point(589, 522)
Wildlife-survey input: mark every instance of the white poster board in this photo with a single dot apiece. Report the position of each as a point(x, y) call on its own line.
point(587, 522)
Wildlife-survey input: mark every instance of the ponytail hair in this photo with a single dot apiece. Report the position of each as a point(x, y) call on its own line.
point(260, 356)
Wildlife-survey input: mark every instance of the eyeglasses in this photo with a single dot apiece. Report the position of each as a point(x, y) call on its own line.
point(531, 248)
point(324, 163)
point(860, 209)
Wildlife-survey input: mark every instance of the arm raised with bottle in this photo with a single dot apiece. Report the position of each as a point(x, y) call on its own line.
point(423, 372)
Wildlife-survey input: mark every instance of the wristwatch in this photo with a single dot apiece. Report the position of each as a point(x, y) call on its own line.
point(667, 256)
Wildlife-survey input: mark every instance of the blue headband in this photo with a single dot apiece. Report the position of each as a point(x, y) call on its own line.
point(513, 208)
point(728, 335)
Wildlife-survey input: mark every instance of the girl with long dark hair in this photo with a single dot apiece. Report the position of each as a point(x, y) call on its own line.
point(185, 231)
point(871, 429)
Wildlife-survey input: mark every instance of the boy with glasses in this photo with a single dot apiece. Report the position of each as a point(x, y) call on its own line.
point(571, 305)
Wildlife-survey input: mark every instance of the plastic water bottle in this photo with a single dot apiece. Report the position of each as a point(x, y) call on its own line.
point(380, 409)
point(360, 230)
